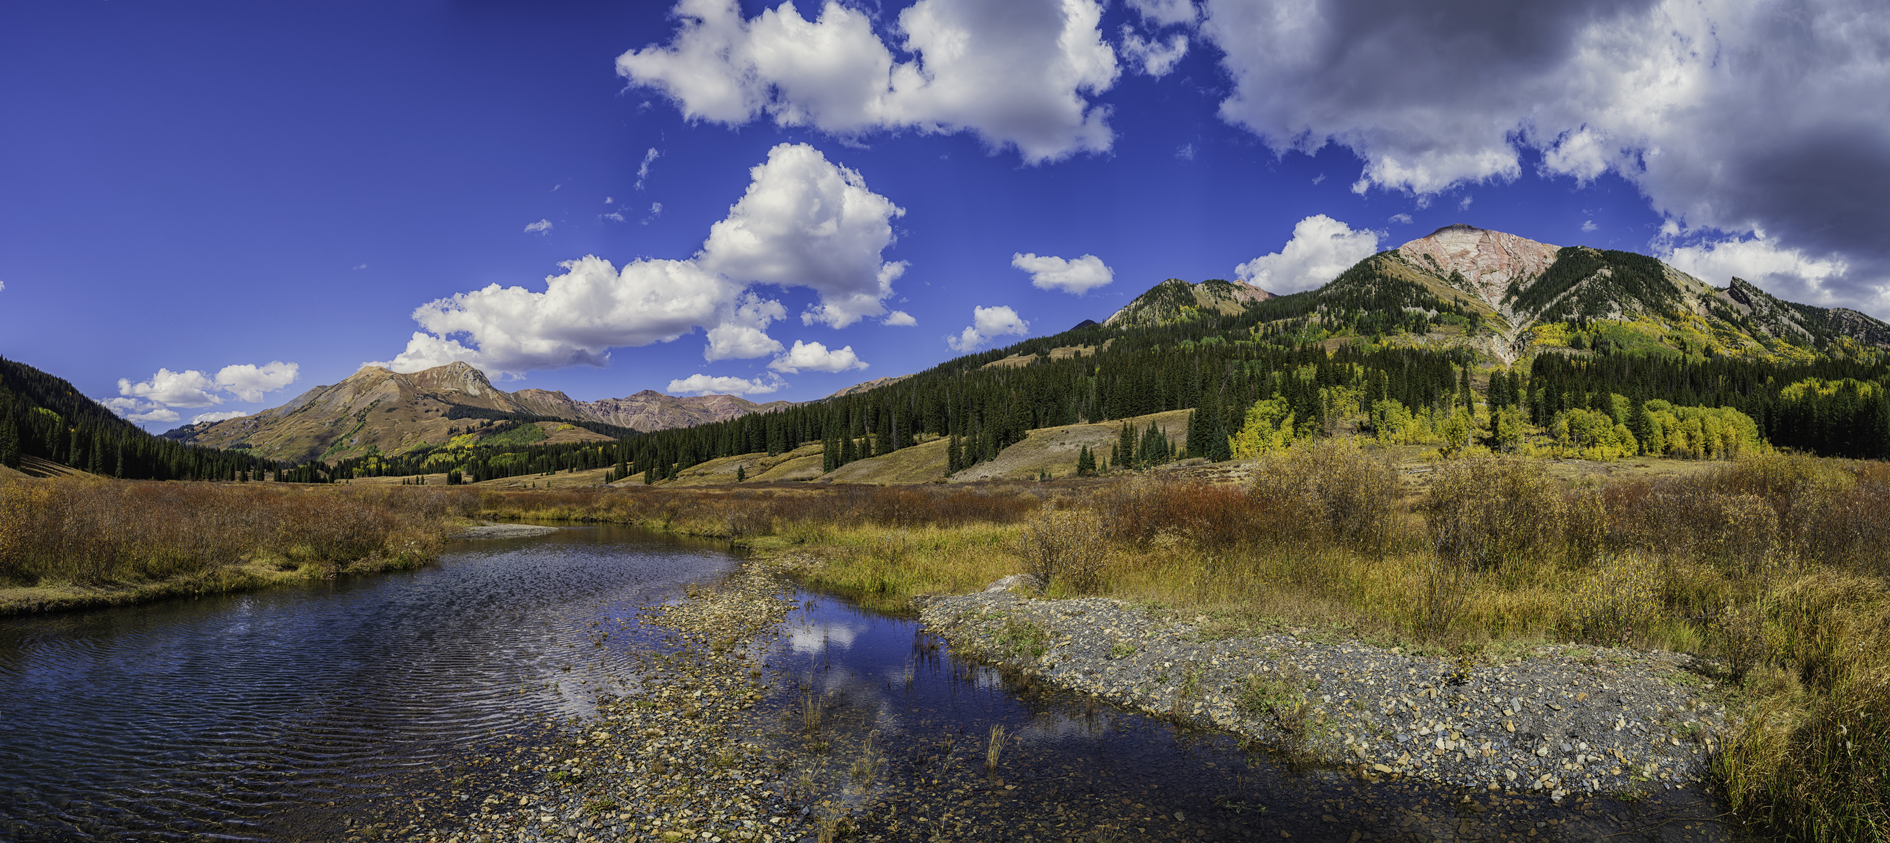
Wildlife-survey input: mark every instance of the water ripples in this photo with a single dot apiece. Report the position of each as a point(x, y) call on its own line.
point(241, 716)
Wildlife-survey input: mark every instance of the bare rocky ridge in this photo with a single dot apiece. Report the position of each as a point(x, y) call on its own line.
point(1488, 261)
point(1526, 283)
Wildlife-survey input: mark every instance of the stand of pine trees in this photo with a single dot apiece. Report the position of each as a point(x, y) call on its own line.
point(46, 417)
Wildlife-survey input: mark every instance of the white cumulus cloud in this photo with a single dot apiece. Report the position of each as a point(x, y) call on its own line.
point(249, 382)
point(705, 385)
point(192, 389)
point(218, 416)
point(815, 357)
point(987, 323)
point(1321, 248)
point(189, 388)
point(899, 318)
point(1018, 73)
point(743, 335)
point(1078, 276)
point(539, 227)
point(1732, 115)
point(804, 222)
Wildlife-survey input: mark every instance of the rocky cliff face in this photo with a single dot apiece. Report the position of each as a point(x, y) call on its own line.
point(1480, 262)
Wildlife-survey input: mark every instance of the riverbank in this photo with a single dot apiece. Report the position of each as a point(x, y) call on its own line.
point(1556, 720)
point(76, 543)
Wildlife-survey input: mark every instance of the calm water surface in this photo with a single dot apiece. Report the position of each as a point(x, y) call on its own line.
point(268, 715)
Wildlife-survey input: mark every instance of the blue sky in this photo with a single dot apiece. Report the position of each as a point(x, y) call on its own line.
point(208, 208)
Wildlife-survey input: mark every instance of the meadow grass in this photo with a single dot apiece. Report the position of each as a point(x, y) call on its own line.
point(74, 541)
point(1772, 568)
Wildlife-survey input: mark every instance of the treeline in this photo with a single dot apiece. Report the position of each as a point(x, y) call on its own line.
point(44, 416)
point(461, 411)
point(1830, 407)
point(984, 408)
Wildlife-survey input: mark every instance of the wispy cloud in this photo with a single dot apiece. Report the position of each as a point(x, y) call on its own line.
point(643, 171)
point(539, 227)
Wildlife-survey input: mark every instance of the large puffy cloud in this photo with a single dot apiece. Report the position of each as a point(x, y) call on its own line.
point(193, 389)
point(1730, 115)
point(1079, 276)
point(816, 357)
point(1016, 72)
point(1321, 248)
point(189, 388)
point(706, 384)
point(249, 382)
point(804, 221)
point(987, 323)
point(582, 313)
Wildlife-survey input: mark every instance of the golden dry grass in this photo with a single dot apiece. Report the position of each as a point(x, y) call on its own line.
point(75, 541)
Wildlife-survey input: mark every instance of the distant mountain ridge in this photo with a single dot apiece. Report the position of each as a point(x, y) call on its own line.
point(1524, 292)
point(1175, 300)
point(377, 410)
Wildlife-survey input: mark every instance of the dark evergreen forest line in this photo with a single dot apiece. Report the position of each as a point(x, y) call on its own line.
point(44, 416)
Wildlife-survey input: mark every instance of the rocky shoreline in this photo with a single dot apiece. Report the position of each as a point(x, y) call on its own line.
point(1557, 721)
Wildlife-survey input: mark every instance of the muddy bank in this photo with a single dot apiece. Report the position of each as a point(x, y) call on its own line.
point(1557, 721)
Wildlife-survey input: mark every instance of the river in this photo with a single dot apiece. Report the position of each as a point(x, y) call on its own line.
point(274, 715)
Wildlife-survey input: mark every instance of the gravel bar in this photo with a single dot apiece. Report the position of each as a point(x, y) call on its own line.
point(675, 762)
point(504, 531)
point(1559, 720)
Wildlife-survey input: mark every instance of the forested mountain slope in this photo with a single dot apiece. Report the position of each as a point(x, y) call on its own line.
point(45, 417)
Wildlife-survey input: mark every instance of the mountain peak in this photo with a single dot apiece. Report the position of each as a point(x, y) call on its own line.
point(1478, 261)
point(1456, 226)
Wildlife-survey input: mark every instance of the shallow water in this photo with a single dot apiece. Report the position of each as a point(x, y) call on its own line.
point(270, 715)
point(1071, 768)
